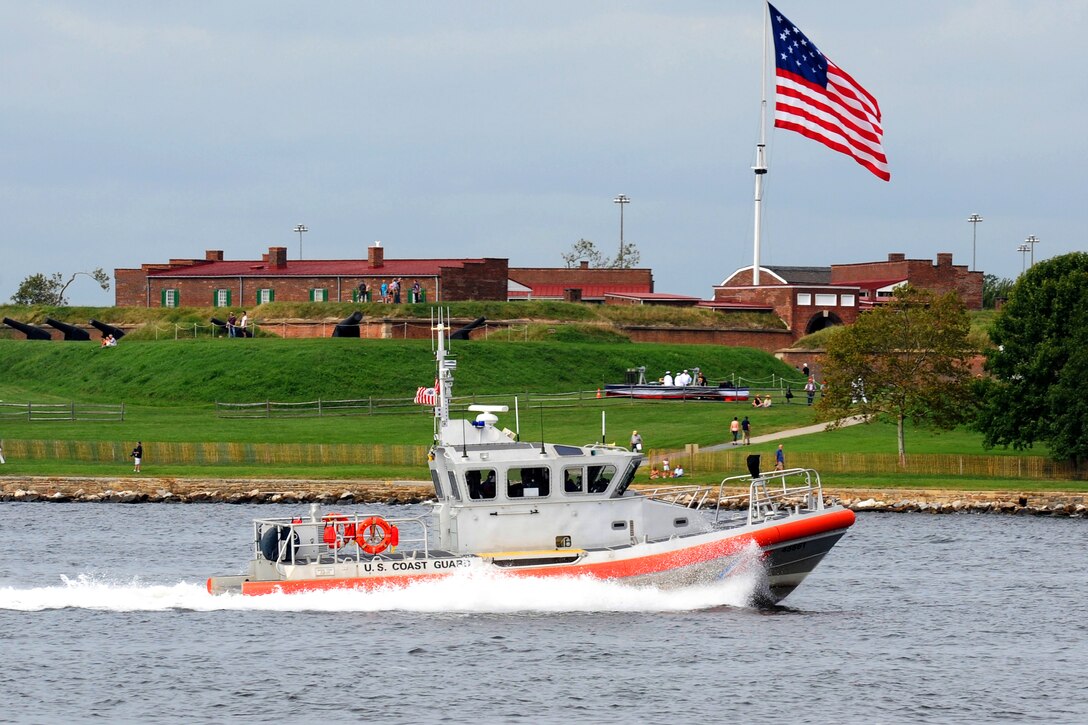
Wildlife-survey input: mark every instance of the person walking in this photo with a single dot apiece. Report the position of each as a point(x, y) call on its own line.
point(636, 441)
point(746, 427)
point(779, 459)
point(810, 390)
point(243, 326)
point(734, 428)
point(137, 456)
point(232, 324)
point(2, 453)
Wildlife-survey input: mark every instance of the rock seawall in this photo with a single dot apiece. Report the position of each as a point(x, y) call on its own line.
point(249, 491)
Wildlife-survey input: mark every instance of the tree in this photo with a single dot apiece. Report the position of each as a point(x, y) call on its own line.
point(37, 289)
point(1039, 362)
point(586, 250)
point(907, 359)
point(994, 288)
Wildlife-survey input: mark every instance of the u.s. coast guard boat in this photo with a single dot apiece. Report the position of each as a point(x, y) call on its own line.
point(546, 510)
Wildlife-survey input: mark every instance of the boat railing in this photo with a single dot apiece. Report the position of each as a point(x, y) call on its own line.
point(770, 495)
point(338, 538)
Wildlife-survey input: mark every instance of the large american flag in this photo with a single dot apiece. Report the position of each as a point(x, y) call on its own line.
point(818, 99)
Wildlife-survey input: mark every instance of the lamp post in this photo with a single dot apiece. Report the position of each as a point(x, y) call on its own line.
point(622, 199)
point(1032, 241)
point(974, 219)
point(1023, 249)
point(300, 228)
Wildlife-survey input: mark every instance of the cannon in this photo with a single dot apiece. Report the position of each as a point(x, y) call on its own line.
point(464, 332)
point(71, 332)
point(349, 326)
point(32, 332)
point(218, 325)
point(105, 329)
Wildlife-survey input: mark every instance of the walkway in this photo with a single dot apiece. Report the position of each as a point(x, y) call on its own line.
point(790, 433)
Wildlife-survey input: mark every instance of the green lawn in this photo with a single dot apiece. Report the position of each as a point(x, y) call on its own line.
point(169, 389)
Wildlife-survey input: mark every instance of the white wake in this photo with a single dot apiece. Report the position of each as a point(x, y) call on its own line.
point(467, 591)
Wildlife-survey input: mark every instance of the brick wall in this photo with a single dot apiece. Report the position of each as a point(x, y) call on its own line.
point(484, 280)
point(798, 318)
point(941, 277)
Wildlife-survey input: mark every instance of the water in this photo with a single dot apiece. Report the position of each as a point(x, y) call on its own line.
point(912, 618)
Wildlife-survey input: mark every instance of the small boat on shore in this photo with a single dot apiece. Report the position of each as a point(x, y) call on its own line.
point(657, 391)
point(636, 386)
point(548, 510)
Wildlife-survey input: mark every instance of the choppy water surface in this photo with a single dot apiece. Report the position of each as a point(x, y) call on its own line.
point(912, 618)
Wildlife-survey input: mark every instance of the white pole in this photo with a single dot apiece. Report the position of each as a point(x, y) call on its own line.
point(760, 168)
point(602, 427)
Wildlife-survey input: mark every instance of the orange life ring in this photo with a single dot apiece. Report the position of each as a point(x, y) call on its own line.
point(335, 534)
point(376, 534)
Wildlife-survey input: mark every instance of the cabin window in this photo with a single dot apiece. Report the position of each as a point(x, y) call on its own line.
point(599, 478)
point(619, 525)
point(437, 485)
point(574, 480)
point(481, 483)
point(528, 482)
point(626, 479)
point(680, 523)
point(454, 491)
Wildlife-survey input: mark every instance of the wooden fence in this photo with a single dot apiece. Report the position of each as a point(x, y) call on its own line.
point(36, 412)
point(311, 454)
point(1026, 467)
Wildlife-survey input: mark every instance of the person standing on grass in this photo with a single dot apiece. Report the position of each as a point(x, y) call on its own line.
point(244, 325)
point(137, 456)
point(2, 453)
point(232, 323)
point(779, 459)
point(734, 428)
point(746, 427)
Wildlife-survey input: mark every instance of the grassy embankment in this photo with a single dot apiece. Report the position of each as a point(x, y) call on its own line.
point(552, 321)
point(170, 387)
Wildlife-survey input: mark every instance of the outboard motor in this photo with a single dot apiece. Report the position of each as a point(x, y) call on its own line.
point(279, 543)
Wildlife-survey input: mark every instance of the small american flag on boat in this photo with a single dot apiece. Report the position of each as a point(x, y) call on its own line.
point(427, 396)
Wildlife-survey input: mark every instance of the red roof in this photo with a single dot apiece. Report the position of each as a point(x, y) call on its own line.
point(589, 291)
point(735, 306)
point(652, 296)
point(315, 268)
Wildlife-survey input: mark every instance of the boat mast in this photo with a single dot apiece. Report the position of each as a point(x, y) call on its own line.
point(443, 377)
point(760, 168)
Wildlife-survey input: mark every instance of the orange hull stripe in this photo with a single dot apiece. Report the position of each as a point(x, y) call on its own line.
point(619, 569)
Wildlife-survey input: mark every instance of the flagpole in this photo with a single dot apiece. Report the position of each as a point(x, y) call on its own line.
point(760, 168)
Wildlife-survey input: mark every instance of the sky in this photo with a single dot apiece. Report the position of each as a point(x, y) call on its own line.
point(137, 132)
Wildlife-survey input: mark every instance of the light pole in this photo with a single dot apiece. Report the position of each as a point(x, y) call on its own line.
point(300, 228)
point(974, 219)
point(1032, 241)
point(622, 199)
point(1023, 249)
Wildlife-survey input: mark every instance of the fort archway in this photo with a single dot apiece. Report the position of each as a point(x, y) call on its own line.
point(821, 321)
